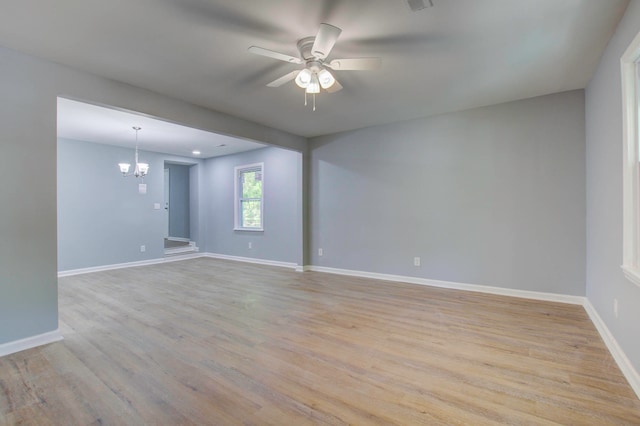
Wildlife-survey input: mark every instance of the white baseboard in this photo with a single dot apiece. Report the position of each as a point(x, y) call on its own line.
point(526, 294)
point(252, 260)
point(629, 372)
point(30, 342)
point(303, 268)
point(175, 258)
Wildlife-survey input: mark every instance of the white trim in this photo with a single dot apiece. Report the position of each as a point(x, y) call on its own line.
point(630, 162)
point(71, 272)
point(175, 258)
point(527, 294)
point(252, 260)
point(180, 239)
point(304, 268)
point(30, 342)
point(618, 354)
point(632, 274)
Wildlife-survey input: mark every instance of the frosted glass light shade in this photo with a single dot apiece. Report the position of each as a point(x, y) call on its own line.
point(314, 85)
point(326, 79)
point(143, 168)
point(124, 167)
point(303, 78)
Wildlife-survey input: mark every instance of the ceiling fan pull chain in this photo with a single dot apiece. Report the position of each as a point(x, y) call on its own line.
point(305, 98)
point(314, 101)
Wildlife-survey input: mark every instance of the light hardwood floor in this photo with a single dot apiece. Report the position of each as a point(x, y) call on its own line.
point(207, 341)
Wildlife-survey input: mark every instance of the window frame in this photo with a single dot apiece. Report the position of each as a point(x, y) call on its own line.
point(630, 74)
point(237, 195)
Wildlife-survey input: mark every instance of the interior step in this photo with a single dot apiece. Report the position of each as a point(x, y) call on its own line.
point(190, 247)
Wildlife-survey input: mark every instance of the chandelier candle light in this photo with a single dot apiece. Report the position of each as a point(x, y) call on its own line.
point(140, 170)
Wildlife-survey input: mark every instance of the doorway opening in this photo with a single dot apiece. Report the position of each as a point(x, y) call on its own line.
point(177, 209)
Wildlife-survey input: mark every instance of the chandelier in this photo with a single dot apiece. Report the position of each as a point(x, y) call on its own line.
point(141, 169)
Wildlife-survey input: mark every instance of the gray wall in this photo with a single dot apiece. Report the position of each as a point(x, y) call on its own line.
point(282, 236)
point(28, 283)
point(179, 194)
point(492, 196)
point(29, 88)
point(605, 281)
point(102, 219)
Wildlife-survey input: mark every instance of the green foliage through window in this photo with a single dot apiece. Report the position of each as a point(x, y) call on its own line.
point(250, 197)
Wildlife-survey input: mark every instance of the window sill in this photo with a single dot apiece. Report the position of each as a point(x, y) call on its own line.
point(249, 229)
point(632, 274)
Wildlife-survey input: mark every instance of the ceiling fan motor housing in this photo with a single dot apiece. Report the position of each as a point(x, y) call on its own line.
point(314, 53)
point(314, 65)
point(304, 47)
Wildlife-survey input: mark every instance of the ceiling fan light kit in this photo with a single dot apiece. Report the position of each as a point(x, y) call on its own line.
point(313, 54)
point(326, 79)
point(314, 84)
point(304, 78)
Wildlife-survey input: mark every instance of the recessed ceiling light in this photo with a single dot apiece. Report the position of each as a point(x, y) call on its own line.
point(195, 152)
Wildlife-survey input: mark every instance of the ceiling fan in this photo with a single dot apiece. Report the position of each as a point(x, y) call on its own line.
point(313, 54)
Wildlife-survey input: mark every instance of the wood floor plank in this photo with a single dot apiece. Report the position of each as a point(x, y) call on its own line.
point(208, 341)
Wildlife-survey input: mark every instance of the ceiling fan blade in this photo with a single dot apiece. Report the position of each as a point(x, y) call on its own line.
point(335, 87)
point(355, 64)
point(326, 38)
point(275, 55)
point(284, 79)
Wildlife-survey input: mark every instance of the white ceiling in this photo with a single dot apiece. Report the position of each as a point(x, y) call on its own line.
point(455, 55)
point(92, 123)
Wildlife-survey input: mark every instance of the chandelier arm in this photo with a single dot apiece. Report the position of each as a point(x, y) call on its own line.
point(140, 169)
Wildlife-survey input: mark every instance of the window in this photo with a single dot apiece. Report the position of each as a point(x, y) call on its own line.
point(631, 161)
point(249, 206)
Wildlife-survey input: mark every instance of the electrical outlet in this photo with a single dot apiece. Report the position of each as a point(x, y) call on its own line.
point(250, 245)
point(143, 249)
point(320, 252)
point(416, 261)
point(615, 307)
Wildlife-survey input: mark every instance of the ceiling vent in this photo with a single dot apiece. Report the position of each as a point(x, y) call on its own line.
point(417, 5)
